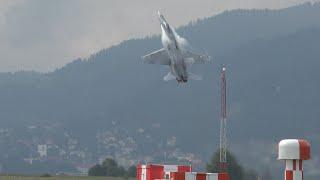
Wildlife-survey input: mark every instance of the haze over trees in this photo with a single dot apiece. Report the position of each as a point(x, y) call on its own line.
point(110, 167)
point(234, 168)
point(272, 59)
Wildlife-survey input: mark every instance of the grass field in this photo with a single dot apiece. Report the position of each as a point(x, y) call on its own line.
point(17, 177)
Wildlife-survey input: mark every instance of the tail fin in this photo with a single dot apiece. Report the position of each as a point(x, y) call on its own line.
point(195, 77)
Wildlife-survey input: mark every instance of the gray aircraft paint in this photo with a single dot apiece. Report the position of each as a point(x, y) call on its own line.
point(173, 55)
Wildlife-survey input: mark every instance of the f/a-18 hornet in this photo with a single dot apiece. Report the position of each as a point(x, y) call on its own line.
point(174, 55)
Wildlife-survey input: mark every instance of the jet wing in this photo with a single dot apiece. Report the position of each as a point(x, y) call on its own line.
point(193, 58)
point(157, 57)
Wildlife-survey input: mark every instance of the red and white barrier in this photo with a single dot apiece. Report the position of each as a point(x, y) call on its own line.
point(198, 176)
point(294, 151)
point(157, 172)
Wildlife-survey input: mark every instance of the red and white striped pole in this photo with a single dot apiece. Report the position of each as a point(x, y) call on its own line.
point(293, 152)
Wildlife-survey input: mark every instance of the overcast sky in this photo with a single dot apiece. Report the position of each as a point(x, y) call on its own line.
point(43, 35)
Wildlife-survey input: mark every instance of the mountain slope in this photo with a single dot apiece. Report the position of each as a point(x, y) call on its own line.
point(272, 59)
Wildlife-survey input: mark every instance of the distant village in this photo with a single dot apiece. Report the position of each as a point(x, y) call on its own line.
point(49, 143)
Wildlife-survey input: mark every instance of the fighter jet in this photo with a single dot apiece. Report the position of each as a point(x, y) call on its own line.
point(174, 54)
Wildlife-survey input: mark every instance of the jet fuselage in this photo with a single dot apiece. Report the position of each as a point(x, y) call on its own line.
point(174, 55)
point(169, 41)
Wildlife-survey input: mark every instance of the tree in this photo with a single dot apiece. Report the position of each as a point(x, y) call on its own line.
point(251, 175)
point(110, 167)
point(131, 172)
point(234, 169)
point(97, 170)
point(109, 162)
point(267, 175)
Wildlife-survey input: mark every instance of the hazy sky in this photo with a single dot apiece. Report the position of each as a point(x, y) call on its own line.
point(42, 35)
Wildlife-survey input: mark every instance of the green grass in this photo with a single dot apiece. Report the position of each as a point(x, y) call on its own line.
point(25, 177)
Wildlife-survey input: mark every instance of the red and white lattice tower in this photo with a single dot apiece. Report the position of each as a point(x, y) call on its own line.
point(223, 121)
point(293, 152)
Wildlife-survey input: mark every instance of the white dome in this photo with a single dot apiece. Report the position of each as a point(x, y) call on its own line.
point(294, 149)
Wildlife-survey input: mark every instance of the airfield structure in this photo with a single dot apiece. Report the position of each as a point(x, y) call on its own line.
point(223, 122)
point(294, 152)
point(175, 172)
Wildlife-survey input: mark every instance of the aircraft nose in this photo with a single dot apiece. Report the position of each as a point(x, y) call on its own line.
point(161, 18)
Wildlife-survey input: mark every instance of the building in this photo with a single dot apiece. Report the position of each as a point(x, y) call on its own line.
point(42, 150)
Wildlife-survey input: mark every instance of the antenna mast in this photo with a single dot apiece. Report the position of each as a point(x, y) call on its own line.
point(223, 122)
